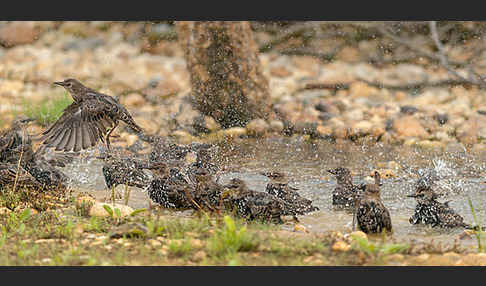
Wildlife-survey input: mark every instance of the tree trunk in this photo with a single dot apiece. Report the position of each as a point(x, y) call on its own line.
point(227, 82)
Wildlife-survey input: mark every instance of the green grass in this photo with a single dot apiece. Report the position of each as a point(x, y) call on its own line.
point(477, 232)
point(230, 239)
point(67, 235)
point(374, 248)
point(48, 110)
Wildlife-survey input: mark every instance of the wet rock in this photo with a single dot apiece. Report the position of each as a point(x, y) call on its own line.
point(18, 33)
point(408, 126)
point(257, 127)
point(340, 246)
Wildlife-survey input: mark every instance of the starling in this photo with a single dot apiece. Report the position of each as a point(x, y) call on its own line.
point(91, 117)
point(124, 170)
point(279, 187)
point(254, 205)
point(41, 164)
point(11, 172)
point(16, 144)
point(429, 211)
point(15, 140)
point(346, 193)
point(169, 188)
point(208, 194)
point(371, 214)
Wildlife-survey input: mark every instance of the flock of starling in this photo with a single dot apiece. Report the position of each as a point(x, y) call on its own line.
point(175, 183)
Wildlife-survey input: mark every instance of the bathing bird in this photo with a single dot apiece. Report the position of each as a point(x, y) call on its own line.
point(91, 117)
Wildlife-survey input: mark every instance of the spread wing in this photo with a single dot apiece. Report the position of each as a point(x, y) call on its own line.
point(80, 126)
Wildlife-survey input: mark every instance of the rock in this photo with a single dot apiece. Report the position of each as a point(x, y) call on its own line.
point(257, 127)
point(359, 234)
point(11, 87)
point(324, 130)
point(361, 89)
point(340, 246)
point(280, 71)
point(133, 99)
point(199, 256)
point(183, 137)
point(235, 131)
point(441, 118)
point(430, 144)
point(300, 228)
point(408, 109)
point(362, 127)
point(196, 243)
point(98, 209)
point(18, 33)
point(408, 126)
point(276, 126)
point(154, 243)
point(130, 230)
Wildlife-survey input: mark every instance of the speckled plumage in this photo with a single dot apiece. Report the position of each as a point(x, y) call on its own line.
point(279, 187)
point(91, 117)
point(119, 170)
point(429, 211)
point(345, 193)
point(254, 205)
point(371, 214)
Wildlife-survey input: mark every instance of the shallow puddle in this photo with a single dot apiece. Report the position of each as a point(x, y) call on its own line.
point(461, 173)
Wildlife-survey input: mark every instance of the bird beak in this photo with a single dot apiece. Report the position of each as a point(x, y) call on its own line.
point(59, 83)
point(412, 196)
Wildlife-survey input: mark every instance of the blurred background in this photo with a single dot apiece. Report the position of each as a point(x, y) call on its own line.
point(392, 82)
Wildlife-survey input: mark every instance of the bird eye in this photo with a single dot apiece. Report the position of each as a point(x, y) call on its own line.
point(69, 84)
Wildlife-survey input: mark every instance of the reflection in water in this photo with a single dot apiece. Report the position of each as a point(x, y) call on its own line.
point(460, 177)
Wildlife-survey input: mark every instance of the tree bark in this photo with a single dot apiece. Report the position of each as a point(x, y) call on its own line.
point(227, 82)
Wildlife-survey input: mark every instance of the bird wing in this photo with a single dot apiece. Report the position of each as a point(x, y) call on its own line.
point(80, 126)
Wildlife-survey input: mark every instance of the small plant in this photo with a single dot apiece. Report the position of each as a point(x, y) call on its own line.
point(230, 239)
point(16, 222)
point(66, 230)
point(477, 228)
point(83, 208)
point(114, 213)
point(371, 248)
point(154, 229)
point(179, 247)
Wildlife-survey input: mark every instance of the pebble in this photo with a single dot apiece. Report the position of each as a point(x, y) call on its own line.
point(98, 209)
point(340, 246)
point(257, 127)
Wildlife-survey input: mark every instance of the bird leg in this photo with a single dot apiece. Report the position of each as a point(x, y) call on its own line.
point(107, 137)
